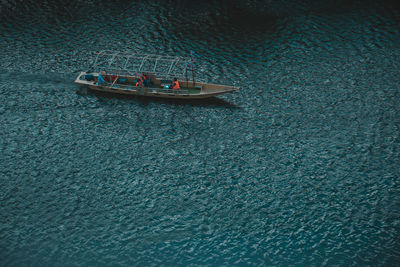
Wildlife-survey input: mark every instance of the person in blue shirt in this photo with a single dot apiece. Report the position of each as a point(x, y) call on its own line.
point(100, 80)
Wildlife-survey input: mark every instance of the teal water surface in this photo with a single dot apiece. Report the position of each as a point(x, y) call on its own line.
point(300, 167)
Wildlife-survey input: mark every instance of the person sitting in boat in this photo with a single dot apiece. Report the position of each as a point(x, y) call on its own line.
point(175, 84)
point(100, 80)
point(143, 79)
point(138, 83)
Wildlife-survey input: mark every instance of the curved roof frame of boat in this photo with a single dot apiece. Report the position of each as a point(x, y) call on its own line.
point(134, 64)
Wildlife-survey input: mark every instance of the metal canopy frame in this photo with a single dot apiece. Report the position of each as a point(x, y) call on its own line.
point(134, 64)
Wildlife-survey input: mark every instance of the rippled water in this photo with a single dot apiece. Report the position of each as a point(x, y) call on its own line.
point(300, 167)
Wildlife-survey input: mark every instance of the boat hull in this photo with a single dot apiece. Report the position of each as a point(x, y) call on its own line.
point(150, 94)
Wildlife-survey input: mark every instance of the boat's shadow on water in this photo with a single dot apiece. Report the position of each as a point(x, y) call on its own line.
point(206, 102)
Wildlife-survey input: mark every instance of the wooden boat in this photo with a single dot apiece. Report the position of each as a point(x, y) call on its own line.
point(121, 71)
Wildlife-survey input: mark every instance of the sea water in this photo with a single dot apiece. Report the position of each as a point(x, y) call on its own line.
point(300, 167)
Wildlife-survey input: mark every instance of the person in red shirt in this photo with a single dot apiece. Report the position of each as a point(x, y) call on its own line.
point(175, 84)
point(138, 83)
point(145, 80)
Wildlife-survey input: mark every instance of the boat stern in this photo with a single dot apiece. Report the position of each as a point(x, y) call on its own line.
point(82, 79)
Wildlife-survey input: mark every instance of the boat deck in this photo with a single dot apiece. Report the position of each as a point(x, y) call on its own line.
point(153, 88)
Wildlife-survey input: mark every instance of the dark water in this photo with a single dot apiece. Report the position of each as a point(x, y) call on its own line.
point(300, 167)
